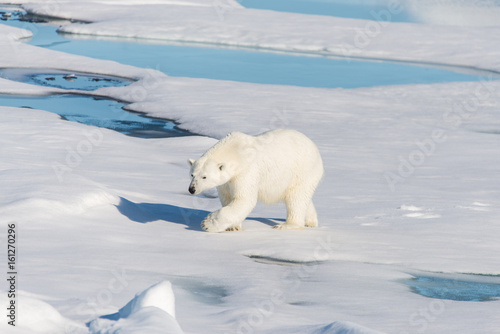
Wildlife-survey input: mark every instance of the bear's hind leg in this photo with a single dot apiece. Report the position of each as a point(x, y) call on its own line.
point(296, 207)
point(287, 226)
point(311, 216)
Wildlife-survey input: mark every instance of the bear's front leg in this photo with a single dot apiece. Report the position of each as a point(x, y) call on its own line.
point(230, 217)
point(217, 221)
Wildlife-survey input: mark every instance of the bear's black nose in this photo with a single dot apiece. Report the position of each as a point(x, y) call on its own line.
point(191, 190)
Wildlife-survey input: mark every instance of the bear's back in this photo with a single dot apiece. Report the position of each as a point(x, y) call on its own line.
point(288, 158)
point(293, 145)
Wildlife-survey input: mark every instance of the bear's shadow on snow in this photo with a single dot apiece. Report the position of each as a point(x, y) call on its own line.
point(150, 212)
point(268, 221)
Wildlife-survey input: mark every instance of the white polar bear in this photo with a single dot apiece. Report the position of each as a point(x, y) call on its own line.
point(279, 165)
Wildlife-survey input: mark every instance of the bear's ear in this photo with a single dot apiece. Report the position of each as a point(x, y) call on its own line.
point(191, 162)
point(221, 167)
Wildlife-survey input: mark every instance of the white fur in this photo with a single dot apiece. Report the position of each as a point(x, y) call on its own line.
point(279, 165)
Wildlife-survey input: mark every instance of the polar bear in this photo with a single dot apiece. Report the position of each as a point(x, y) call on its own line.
point(278, 165)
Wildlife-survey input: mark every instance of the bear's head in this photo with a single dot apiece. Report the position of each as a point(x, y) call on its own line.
point(207, 174)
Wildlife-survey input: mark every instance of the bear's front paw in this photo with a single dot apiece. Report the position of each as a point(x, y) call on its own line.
point(234, 228)
point(213, 223)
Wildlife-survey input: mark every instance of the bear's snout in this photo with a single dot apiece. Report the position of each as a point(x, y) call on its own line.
point(191, 189)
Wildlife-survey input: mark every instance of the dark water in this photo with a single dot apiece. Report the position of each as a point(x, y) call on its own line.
point(99, 112)
point(62, 79)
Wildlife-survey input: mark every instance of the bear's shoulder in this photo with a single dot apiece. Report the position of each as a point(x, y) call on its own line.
point(235, 135)
point(233, 143)
point(235, 138)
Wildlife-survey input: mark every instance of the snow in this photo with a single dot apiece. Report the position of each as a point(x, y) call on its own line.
point(412, 186)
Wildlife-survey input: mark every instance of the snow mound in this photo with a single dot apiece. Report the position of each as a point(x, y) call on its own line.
point(36, 316)
point(42, 196)
point(337, 327)
point(344, 327)
point(151, 311)
point(14, 34)
point(159, 295)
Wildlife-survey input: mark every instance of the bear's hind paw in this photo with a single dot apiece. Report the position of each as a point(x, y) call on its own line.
point(286, 226)
point(312, 224)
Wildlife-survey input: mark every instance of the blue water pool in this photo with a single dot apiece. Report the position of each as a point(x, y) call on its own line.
point(377, 10)
point(453, 288)
point(260, 67)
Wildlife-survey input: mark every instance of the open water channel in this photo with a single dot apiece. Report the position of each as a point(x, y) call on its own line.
point(210, 62)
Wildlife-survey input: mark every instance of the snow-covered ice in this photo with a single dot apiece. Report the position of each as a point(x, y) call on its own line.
point(151, 311)
point(411, 187)
point(463, 12)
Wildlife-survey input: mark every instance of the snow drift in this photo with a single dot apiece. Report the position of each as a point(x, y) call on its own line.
point(150, 311)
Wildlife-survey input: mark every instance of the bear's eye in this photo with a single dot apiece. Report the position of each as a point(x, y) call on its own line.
point(204, 177)
point(192, 175)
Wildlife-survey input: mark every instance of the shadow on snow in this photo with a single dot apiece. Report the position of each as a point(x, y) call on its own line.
point(149, 212)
